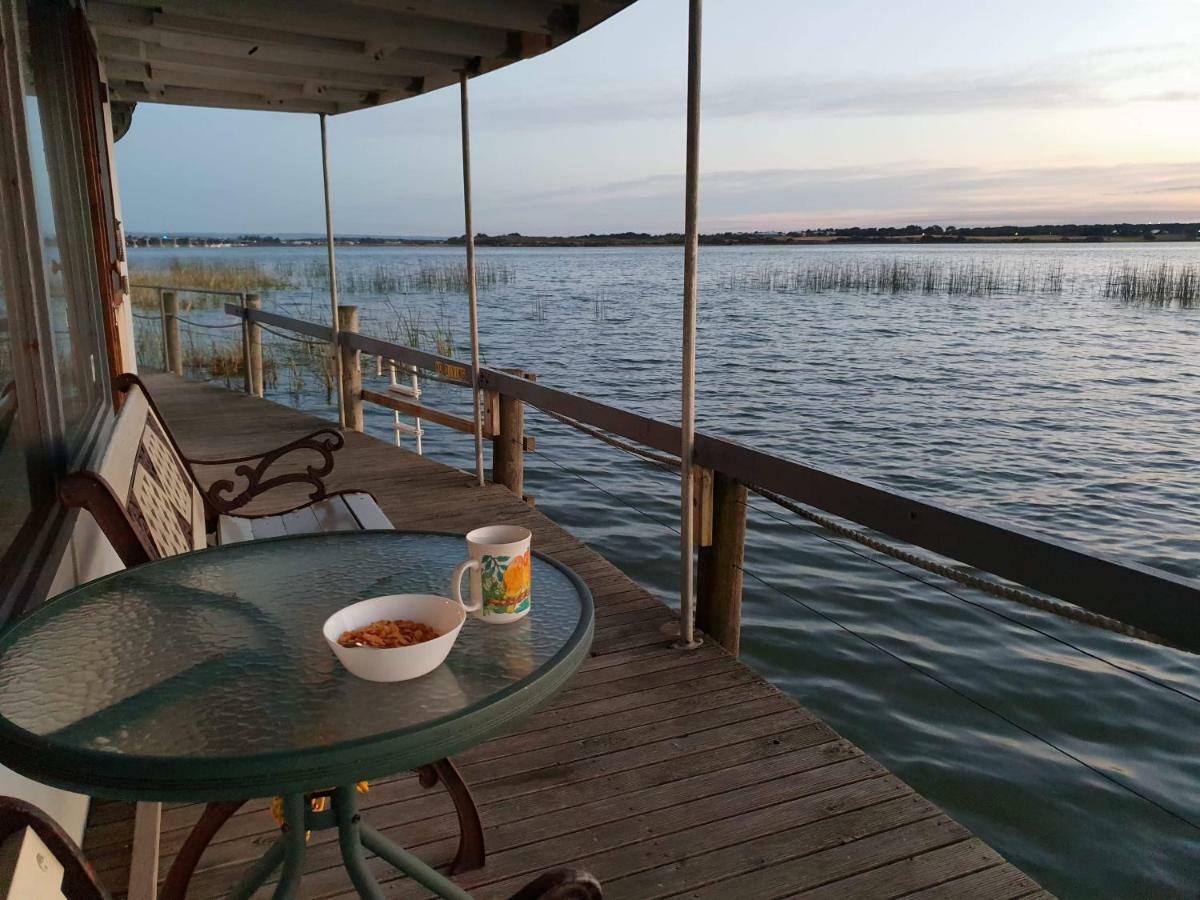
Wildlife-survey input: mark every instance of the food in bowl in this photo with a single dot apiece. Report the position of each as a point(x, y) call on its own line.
point(389, 633)
point(386, 661)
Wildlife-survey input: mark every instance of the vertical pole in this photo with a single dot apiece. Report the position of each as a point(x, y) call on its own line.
point(719, 586)
point(254, 301)
point(333, 290)
point(349, 371)
point(247, 379)
point(162, 321)
point(687, 609)
point(171, 327)
point(472, 295)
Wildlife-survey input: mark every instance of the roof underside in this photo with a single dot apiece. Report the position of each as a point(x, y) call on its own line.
point(320, 56)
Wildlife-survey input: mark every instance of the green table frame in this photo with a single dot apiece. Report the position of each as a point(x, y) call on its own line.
point(296, 776)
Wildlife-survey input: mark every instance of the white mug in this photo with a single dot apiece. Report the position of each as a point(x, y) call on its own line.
point(499, 560)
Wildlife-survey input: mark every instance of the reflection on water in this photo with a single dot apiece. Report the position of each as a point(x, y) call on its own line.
point(1064, 412)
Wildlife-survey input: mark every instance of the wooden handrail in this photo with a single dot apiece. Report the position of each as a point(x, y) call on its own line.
point(1160, 602)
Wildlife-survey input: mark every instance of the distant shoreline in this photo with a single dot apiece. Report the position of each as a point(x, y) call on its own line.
point(911, 235)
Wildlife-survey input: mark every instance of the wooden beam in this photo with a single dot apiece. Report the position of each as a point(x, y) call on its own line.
point(186, 96)
point(372, 76)
point(545, 16)
point(332, 19)
point(410, 407)
point(272, 86)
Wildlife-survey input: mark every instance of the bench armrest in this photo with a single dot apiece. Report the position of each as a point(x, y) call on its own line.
point(222, 496)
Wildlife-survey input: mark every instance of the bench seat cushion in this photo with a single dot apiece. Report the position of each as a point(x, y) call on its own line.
point(351, 511)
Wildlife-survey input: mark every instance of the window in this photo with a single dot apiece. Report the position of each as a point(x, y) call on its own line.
point(68, 268)
point(54, 371)
point(16, 499)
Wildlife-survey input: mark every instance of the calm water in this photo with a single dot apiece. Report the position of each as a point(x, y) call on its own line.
point(1068, 413)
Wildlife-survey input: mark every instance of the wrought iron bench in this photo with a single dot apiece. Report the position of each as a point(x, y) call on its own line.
point(148, 501)
point(79, 880)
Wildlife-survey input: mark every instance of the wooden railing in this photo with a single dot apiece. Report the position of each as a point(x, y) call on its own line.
point(1159, 602)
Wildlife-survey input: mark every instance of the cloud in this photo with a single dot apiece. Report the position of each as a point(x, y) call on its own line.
point(786, 199)
point(1111, 77)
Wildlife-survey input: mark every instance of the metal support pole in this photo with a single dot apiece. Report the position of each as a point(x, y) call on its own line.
point(247, 378)
point(472, 294)
point(333, 291)
point(254, 301)
point(687, 607)
point(162, 320)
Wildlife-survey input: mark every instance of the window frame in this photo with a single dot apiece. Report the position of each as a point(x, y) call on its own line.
point(52, 445)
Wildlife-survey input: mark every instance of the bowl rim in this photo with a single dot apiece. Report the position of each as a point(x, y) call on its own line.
point(451, 633)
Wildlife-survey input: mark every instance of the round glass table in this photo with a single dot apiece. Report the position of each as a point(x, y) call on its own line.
point(206, 677)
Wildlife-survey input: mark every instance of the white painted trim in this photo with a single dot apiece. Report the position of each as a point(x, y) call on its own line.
point(143, 867)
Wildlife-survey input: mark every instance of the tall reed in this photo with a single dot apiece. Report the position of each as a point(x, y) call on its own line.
point(1161, 284)
point(899, 275)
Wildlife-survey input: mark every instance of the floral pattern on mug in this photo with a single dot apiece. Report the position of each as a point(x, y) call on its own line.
point(506, 582)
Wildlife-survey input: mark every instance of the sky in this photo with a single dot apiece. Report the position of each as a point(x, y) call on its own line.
point(814, 114)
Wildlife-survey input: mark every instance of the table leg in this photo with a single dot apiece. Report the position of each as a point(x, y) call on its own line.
point(259, 872)
point(295, 812)
point(354, 836)
point(411, 865)
point(349, 826)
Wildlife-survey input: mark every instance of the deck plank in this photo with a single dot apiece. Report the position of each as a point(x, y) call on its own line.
point(665, 773)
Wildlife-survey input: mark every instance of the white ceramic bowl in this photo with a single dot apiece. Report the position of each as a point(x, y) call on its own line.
point(396, 663)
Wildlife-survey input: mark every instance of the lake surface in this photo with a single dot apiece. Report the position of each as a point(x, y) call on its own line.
point(1059, 410)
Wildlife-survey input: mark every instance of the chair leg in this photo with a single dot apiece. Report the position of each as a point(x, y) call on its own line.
point(471, 852)
point(214, 816)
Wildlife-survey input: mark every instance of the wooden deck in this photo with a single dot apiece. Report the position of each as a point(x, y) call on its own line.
point(664, 773)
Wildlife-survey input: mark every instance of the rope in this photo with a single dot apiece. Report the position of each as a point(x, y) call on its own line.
point(288, 337)
point(661, 460)
point(1149, 679)
point(195, 324)
point(144, 316)
point(920, 670)
point(986, 585)
point(967, 579)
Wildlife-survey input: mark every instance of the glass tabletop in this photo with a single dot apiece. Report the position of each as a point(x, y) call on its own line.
point(203, 675)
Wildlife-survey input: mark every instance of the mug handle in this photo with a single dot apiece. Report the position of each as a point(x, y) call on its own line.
point(456, 583)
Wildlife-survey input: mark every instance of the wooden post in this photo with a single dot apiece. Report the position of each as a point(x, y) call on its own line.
point(171, 328)
point(508, 446)
point(351, 374)
point(719, 586)
point(255, 363)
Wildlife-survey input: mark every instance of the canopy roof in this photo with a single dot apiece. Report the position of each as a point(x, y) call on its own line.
point(320, 56)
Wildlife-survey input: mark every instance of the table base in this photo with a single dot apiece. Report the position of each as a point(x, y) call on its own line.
point(354, 836)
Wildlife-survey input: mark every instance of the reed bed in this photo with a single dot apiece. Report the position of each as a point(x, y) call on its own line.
point(400, 277)
point(244, 275)
point(251, 276)
point(900, 276)
point(415, 329)
point(1162, 284)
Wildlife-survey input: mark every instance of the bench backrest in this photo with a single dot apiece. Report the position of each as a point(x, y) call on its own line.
point(142, 493)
